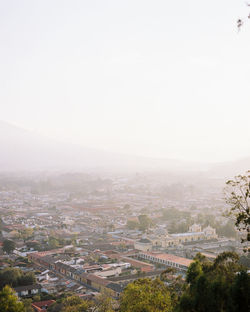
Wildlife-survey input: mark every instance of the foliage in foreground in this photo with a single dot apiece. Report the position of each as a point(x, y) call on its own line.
point(238, 198)
point(15, 277)
point(9, 301)
point(146, 295)
point(221, 286)
point(8, 246)
point(76, 304)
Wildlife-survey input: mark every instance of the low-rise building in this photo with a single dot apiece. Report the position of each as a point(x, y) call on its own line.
point(165, 240)
point(144, 244)
point(28, 290)
point(42, 306)
point(166, 259)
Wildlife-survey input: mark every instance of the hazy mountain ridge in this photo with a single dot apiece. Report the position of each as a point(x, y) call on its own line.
point(230, 169)
point(24, 150)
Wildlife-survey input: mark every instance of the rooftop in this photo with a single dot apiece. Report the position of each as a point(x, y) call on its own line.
point(169, 257)
point(187, 234)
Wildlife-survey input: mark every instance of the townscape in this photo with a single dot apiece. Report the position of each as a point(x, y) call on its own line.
point(85, 235)
point(124, 156)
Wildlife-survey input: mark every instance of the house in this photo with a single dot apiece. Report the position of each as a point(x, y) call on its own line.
point(143, 266)
point(87, 279)
point(165, 240)
point(28, 290)
point(179, 263)
point(42, 306)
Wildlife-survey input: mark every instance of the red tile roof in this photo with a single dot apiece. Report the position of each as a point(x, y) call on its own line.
point(169, 257)
point(41, 306)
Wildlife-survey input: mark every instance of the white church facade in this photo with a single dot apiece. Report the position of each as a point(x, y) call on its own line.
point(164, 240)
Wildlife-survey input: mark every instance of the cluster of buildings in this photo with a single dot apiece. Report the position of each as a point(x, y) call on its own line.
point(110, 277)
point(161, 238)
point(80, 274)
point(79, 240)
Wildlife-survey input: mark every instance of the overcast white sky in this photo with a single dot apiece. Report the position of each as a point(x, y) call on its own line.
point(163, 78)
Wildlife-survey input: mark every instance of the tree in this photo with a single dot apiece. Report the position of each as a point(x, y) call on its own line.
point(26, 233)
point(34, 244)
point(9, 276)
point(9, 301)
point(132, 224)
point(27, 304)
point(104, 303)
point(53, 242)
point(164, 276)
point(55, 307)
point(245, 260)
point(212, 287)
point(144, 222)
point(241, 292)
point(175, 283)
point(27, 279)
point(237, 194)
point(240, 21)
point(15, 277)
point(126, 207)
point(8, 246)
point(146, 295)
point(71, 304)
point(227, 230)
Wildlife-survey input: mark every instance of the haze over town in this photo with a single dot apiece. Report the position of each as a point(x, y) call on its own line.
point(168, 80)
point(124, 156)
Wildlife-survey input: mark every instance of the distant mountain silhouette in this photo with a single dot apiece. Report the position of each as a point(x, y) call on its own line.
point(230, 169)
point(21, 149)
point(24, 150)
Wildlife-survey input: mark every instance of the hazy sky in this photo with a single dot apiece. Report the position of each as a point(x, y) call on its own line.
point(167, 78)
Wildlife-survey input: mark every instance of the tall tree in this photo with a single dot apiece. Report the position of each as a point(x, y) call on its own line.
point(71, 304)
point(146, 295)
point(237, 194)
point(221, 286)
point(9, 301)
point(103, 303)
point(15, 277)
point(26, 233)
point(144, 222)
point(240, 21)
point(8, 246)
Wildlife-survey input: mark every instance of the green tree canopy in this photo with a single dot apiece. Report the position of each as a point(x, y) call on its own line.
point(220, 286)
point(146, 295)
point(9, 301)
point(8, 246)
point(71, 304)
point(15, 277)
point(238, 198)
point(26, 233)
point(132, 224)
point(144, 222)
point(103, 303)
